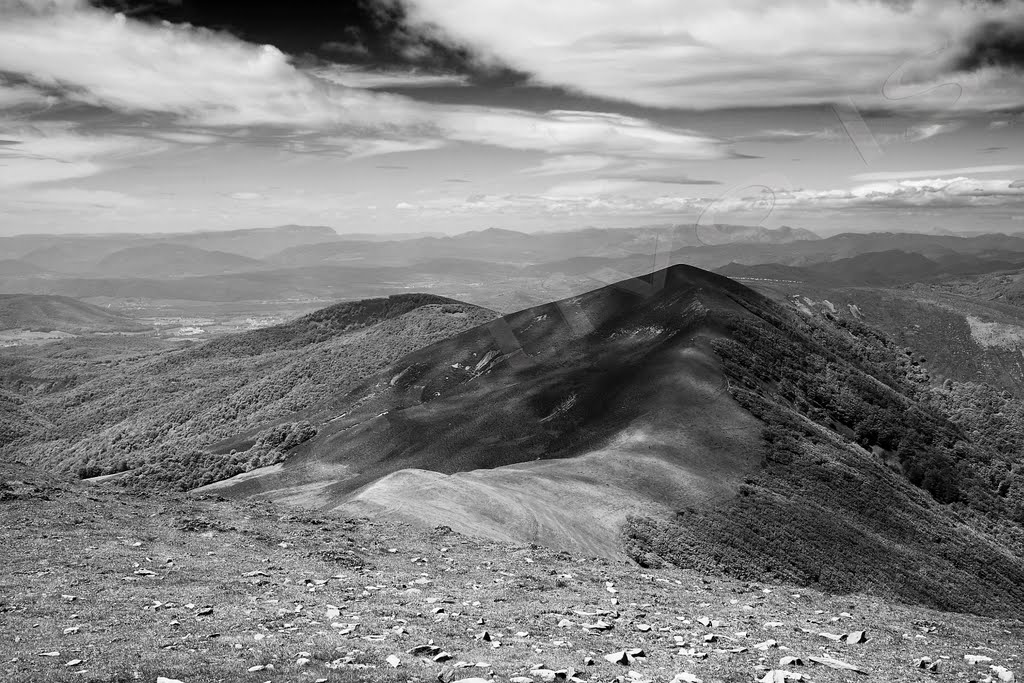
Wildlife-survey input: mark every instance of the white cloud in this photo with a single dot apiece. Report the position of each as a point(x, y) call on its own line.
point(625, 198)
point(735, 53)
point(352, 76)
point(577, 133)
point(932, 173)
point(951, 192)
point(570, 163)
point(78, 197)
point(12, 96)
point(51, 152)
point(213, 80)
point(203, 76)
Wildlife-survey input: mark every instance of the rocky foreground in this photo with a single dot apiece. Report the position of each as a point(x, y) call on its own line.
point(98, 585)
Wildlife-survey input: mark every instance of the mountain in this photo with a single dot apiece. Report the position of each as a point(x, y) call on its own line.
point(16, 268)
point(145, 405)
point(174, 261)
point(520, 248)
point(680, 418)
point(78, 254)
point(49, 313)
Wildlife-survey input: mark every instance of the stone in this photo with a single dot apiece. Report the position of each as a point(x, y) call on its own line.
point(977, 659)
point(791, 661)
point(779, 676)
point(685, 677)
point(855, 638)
point(393, 660)
point(161, 679)
point(625, 657)
point(599, 625)
point(837, 664)
point(1003, 674)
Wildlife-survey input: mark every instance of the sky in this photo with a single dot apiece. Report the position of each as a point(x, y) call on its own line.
point(397, 116)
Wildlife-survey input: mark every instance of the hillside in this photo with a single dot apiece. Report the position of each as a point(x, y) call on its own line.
point(716, 428)
point(146, 406)
point(196, 589)
point(48, 313)
point(172, 260)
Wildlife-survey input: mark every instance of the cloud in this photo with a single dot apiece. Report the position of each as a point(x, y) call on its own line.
point(578, 133)
point(43, 153)
point(569, 163)
point(705, 54)
point(931, 173)
point(625, 198)
point(203, 76)
point(72, 197)
point(931, 193)
point(212, 83)
point(352, 76)
point(995, 43)
point(12, 96)
point(784, 135)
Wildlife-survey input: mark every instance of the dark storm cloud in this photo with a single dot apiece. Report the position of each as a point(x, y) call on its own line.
point(993, 44)
point(349, 31)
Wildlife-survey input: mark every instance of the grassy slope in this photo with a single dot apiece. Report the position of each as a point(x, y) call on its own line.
point(641, 434)
point(404, 587)
point(932, 321)
point(46, 313)
point(132, 405)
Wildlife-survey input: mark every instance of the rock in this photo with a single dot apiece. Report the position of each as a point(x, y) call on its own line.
point(161, 679)
point(442, 657)
point(520, 679)
point(564, 623)
point(625, 657)
point(643, 628)
point(424, 650)
point(344, 629)
point(49, 654)
point(546, 675)
point(926, 664)
point(204, 611)
point(73, 662)
point(685, 677)
point(475, 679)
point(977, 659)
point(766, 645)
point(837, 664)
point(484, 636)
point(832, 636)
point(1003, 674)
point(258, 667)
point(599, 625)
point(791, 661)
point(393, 660)
point(855, 638)
point(589, 661)
point(71, 629)
point(778, 676)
